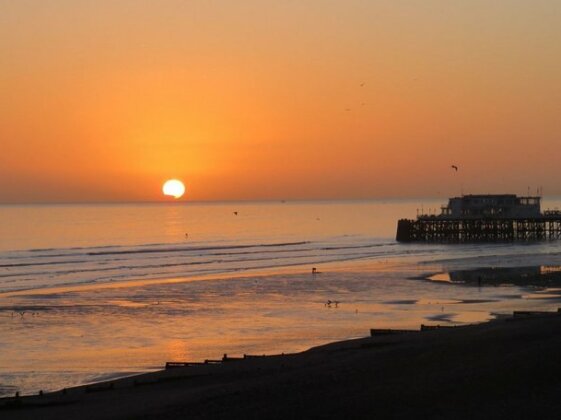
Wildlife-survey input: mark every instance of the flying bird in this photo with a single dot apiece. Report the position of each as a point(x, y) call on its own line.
point(454, 167)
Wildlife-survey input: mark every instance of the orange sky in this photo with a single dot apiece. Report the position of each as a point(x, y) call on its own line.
point(104, 100)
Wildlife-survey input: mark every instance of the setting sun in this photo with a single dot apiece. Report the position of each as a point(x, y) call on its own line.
point(174, 188)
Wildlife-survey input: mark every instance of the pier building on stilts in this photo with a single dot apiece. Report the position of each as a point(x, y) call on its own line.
point(484, 218)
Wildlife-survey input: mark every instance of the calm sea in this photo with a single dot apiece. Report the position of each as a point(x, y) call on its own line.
point(89, 292)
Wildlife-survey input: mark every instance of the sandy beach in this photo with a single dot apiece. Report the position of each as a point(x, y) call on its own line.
point(508, 368)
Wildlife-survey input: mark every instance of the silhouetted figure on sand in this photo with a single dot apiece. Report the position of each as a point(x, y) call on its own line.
point(331, 302)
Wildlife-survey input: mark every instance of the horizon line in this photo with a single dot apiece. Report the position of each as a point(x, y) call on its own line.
point(248, 200)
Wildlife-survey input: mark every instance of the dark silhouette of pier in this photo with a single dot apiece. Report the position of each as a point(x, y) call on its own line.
point(435, 229)
point(484, 218)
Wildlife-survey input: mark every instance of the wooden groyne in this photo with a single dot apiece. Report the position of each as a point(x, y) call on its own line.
point(441, 229)
point(377, 332)
point(225, 359)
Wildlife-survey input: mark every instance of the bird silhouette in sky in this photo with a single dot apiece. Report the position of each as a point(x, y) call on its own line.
point(454, 167)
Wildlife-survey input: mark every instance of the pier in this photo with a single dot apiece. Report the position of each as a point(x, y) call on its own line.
point(484, 218)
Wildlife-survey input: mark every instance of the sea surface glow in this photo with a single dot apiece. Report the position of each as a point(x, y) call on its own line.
point(89, 292)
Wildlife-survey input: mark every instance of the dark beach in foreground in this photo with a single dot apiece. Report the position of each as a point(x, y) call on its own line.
point(509, 368)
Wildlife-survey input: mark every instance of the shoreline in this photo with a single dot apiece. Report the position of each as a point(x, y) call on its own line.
point(475, 362)
point(461, 309)
point(332, 266)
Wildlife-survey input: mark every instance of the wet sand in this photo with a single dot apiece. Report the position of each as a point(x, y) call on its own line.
point(509, 368)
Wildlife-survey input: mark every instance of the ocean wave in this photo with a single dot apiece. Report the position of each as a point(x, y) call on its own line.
point(67, 267)
point(136, 249)
point(169, 265)
point(203, 248)
point(22, 269)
